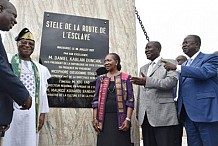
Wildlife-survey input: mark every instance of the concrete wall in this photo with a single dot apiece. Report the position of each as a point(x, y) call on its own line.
point(71, 126)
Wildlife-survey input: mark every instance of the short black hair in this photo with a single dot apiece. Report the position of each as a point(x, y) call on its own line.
point(196, 39)
point(5, 3)
point(156, 44)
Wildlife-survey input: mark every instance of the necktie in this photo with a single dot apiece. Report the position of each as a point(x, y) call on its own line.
point(189, 62)
point(150, 68)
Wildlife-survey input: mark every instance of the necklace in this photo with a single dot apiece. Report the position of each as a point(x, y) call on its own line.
point(111, 75)
point(111, 90)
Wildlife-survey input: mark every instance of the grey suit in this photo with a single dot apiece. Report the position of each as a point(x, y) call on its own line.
point(155, 98)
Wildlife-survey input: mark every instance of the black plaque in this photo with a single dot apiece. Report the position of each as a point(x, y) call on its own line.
point(73, 48)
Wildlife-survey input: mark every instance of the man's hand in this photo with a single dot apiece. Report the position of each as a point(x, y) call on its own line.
point(41, 121)
point(139, 80)
point(27, 104)
point(169, 66)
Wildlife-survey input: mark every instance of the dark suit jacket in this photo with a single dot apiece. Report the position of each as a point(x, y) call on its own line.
point(11, 88)
point(198, 89)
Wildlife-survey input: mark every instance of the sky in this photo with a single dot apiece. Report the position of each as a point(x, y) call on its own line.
point(170, 21)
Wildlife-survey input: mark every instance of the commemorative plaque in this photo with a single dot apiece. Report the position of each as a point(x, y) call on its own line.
point(73, 48)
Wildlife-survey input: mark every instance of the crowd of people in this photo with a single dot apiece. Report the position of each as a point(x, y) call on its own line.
point(23, 97)
point(171, 94)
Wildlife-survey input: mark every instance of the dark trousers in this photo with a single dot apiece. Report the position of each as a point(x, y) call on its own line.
point(201, 133)
point(158, 136)
point(179, 134)
point(179, 131)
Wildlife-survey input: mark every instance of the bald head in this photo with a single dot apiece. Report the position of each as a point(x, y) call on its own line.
point(8, 14)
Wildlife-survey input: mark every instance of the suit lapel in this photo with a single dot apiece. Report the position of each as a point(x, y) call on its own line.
point(144, 70)
point(194, 62)
point(156, 67)
point(197, 59)
point(183, 78)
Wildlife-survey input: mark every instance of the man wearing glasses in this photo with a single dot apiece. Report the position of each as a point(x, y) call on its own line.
point(198, 93)
point(25, 125)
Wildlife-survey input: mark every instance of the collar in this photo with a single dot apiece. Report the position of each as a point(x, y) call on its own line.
point(194, 56)
point(156, 60)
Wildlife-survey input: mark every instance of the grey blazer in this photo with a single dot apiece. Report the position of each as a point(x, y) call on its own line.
point(155, 98)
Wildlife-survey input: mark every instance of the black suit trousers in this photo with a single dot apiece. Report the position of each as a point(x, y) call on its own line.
point(158, 136)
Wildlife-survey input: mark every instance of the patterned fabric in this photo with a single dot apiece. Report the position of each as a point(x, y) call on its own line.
point(28, 80)
point(124, 95)
point(102, 99)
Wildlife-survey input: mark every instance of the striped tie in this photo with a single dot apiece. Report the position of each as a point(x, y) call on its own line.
point(189, 62)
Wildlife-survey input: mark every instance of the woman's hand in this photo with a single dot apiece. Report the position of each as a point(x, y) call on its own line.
point(125, 126)
point(95, 125)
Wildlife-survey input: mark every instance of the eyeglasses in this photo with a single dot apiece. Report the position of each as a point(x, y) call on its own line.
point(26, 42)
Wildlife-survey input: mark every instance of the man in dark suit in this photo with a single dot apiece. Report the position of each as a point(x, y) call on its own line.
point(157, 113)
point(198, 93)
point(11, 88)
